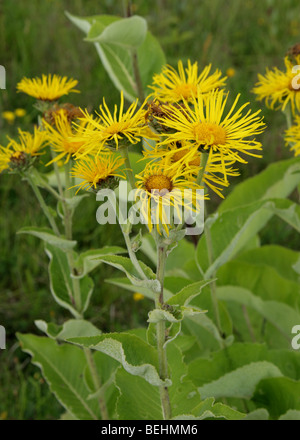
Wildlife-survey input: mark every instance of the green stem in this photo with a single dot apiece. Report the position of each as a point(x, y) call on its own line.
point(204, 160)
point(288, 114)
point(97, 383)
point(129, 173)
point(137, 77)
point(127, 7)
point(131, 253)
point(213, 287)
point(43, 204)
point(161, 333)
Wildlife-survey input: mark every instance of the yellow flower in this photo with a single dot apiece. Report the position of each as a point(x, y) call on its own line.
point(98, 172)
point(210, 130)
point(292, 136)
point(18, 153)
point(63, 138)
point(138, 296)
point(279, 88)
point(114, 130)
point(48, 88)
point(230, 72)
point(8, 116)
point(190, 159)
point(20, 112)
point(172, 86)
point(162, 187)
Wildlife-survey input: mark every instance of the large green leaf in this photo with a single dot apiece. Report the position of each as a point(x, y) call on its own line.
point(262, 280)
point(231, 230)
point(136, 356)
point(61, 282)
point(280, 315)
point(128, 33)
point(49, 237)
point(240, 383)
point(278, 395)
point(277, 181)
point(63, 367)
point(286, 262)
point(184, 397)
point(117, 58)
point(238, 355)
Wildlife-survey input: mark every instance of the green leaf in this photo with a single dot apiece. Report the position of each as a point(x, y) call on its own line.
point(277, 181)
point(291, 414)
point(188, 293)
point(183, 395)
point(63, 367)
point(126, 284)
point(278, 395)
point(286, 262)
point(87, 261)
point(70, 329)
point(61, 282)
point(238, 355)
point(116, 58)
point(240, 383)
point(257, 414)
point(232, 229)
point(280, 315)
point(128, 32)
point(136, 356)
point(125, 265)
point(49, 237)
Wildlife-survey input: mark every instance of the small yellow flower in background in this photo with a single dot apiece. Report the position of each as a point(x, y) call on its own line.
point(172, 86)
point(138, 296)
point(161, 186)
point(230, 72)
point(48, 87)
point(3, 415)
point(8, 116)
point(278, 88)
point(211, 130)
point(20, 112)
point(292, 136)
point(98, 172)
point(114, 130)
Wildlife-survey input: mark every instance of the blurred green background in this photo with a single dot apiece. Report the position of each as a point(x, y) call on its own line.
point(245, 36)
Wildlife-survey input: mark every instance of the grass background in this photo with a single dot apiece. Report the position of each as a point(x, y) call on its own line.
point(35, 38)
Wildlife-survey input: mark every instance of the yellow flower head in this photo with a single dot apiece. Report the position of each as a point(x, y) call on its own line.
point(114, 130)
point(138, 296)
point(190, 159)
point(173, 86)
point(48, 88)
point(292, 137)
point(64, 140)
point(208, 128)
point(18, 153)
point(20, 112)
point(162, 187)
point(279, 88)
point(8, 116)
point(98, 172)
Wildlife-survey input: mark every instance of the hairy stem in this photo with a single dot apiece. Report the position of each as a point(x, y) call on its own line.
point(129, 172)
point(161, 333)
point(97, 383)
point(43, 204)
